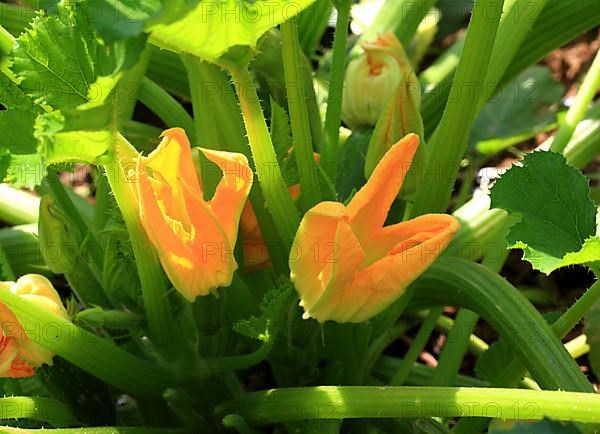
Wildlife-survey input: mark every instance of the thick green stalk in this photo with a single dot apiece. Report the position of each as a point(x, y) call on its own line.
point(577, 111)
point(94, 430)
point(350, 402)
point(278, 200)
point(475, 287)
point(401, 17)
point(514, 370)
point(477, 346)
point(100, 357)
point(299, 120)
point(410, 358)
point(43, 409)
point(584, 146)
point(459, 337)
point(165, 107)
point(455, 348)
point(448, 143)
point(18, 207)
point(333, 117)
point(517, 19)
point(152, 279)
point(559, 22)
point(312, 23)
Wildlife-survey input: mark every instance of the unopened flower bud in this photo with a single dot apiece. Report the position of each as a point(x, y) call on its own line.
point(372, 78)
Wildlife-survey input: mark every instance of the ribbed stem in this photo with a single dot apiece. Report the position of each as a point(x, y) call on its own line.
point(348, 402)
point(165, 106)
point(448, 143)
point(42, 409)
point(576, 113)
point(299, 120)
point(278, 200)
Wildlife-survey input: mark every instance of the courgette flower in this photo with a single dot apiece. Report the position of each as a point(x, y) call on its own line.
point(19, 355)
point(373, 77)
point(348, 267)
point(194, 237)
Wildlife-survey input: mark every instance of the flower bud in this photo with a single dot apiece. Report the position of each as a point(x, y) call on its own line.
point(19, 355)
point(372, 78)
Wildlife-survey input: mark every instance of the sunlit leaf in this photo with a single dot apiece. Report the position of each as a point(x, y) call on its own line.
point(215, 26)
point(556, 214)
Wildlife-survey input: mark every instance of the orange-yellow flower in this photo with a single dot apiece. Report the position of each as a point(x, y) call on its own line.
point(348, 267)
point(194, 237)
point(19, 355)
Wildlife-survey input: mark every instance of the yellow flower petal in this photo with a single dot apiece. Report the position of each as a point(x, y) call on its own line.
point(194, 238)
point(346, 266)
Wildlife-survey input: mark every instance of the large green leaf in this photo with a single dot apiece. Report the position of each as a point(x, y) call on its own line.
point(215, 26)
point(62, 63)
point(556, 214)
point(523, 108)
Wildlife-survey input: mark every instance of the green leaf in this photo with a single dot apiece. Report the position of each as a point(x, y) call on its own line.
point(17, 144)
point(273, 309)
point(215, 26)
point(545, 426)
point(556, 214)
point(78, 81)
point(523, 108)
point(592, 331)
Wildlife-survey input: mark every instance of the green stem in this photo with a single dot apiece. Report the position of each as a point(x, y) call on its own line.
point(576, 113)
point(408, 25)
point(477, 346)
point(410, 358)
point(349, 402)
point(312, 23)
point(100, 357)
point(237, 422)
point(584, 146)
point(18, 207)
point(333, 117)
point(455, 348)
point(479, 289)
point(575, 313)
point(237, 363)
point(95, 430)
point(578, 347)
point(152, 280)
point(303, 147)
point(7, 41)
point(30, 407)
point(459, 337)
point(165, 106)
point(278, 200)
point(447, 145)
